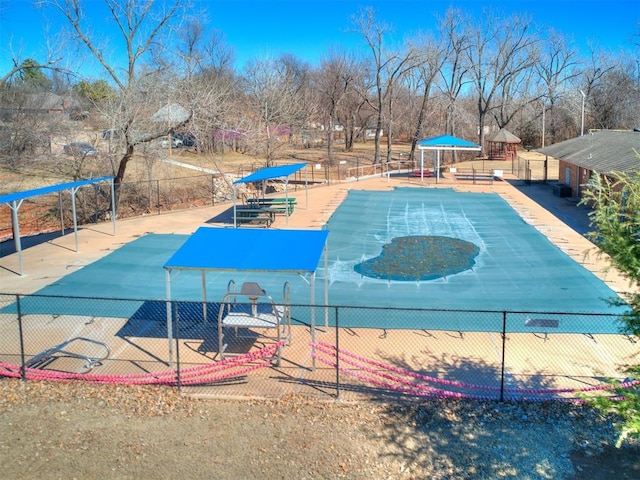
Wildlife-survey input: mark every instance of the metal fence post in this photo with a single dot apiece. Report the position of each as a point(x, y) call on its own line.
point(23, 373)
point(177, 338)
point(158, 196)
point(504, 343)
point(337, 354)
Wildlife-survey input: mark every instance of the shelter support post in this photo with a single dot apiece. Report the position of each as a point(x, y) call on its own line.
point(60, 207)
point(16, 232)
point(313, 323)
point(235, 222)
point(326, 286)
point(74, 190)
point(286, 196)
point(204, 296)
point(306, 188)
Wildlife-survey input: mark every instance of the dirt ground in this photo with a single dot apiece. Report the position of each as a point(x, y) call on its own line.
point(73, 430)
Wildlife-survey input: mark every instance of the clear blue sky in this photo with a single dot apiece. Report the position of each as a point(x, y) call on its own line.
point(309, 28)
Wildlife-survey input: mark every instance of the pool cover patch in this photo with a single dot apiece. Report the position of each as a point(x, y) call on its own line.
point(415, 258)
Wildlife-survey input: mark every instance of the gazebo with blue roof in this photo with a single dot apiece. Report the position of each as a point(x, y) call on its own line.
point(443, 142)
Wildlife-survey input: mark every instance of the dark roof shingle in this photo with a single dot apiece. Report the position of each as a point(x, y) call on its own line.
point(603, 151)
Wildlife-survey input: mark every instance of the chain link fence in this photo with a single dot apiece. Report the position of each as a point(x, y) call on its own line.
point(536, 169)
point(353, 353)
point(48, 213)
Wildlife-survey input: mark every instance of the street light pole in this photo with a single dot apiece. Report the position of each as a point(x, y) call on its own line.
point(582, 122)
point(544, 122)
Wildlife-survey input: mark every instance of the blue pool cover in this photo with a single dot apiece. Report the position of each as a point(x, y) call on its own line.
point(517, 268)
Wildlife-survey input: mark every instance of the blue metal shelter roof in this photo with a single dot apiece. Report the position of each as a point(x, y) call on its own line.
point(14, 201)
point(232, 249)
point(15, 196)
point(272, 172)
point(446, 142)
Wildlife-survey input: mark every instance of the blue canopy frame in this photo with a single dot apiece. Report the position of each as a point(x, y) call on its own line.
point(268, 173)
point(14, 201)
point(256, 250)
point(443, 142)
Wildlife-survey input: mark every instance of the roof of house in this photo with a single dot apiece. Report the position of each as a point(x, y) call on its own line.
point(51, 101)
point(602, 151)
point(172, 113)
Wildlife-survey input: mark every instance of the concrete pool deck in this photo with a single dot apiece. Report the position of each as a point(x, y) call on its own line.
point(559, 219)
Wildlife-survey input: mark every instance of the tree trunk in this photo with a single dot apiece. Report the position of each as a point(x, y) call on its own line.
point(117, 181)
point(330, 140)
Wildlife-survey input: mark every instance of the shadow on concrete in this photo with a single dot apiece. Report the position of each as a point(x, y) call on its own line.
point(564, 208)
point(8, 247)
point(225, 216)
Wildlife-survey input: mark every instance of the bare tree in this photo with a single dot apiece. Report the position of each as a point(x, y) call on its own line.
point(273, 92)
point(141, 27)
point(556, 67)
point(502, 50)
point(454, 72)
point(333, 82)
point(353, 112)
point(611, 86)
point(204, 81)
point(389, 67)
point(305, 107)
point(53, 54)
point(615, 101)
point(432, 56)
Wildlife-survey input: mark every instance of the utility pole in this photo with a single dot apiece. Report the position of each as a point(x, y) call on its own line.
point(582, 121)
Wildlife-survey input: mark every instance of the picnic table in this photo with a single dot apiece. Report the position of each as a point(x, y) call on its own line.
point(254, 216)
point(278, 205)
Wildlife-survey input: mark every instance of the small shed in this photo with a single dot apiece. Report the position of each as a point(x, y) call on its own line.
point(502, 145)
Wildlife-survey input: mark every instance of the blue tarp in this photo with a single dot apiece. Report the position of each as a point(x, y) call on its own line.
point(211, 248)
point(272, 172)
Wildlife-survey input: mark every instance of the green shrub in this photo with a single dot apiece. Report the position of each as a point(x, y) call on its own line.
point(625, 404)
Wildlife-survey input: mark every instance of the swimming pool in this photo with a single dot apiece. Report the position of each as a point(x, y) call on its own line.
point(517, 267)
point(510, 266)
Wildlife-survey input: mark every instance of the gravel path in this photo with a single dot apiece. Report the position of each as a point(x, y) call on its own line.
point(75, 430)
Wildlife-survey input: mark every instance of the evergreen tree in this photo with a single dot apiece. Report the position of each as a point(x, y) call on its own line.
point(615, 199)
